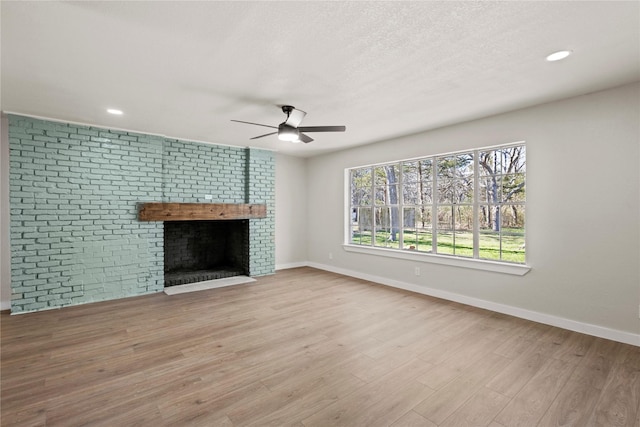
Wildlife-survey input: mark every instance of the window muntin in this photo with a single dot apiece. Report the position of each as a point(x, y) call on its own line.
point(469, 204)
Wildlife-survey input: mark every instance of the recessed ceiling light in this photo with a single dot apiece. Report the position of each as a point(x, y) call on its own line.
point(114, 111)
point(557, 56)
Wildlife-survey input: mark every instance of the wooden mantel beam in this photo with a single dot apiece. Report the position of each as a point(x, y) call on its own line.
point(199, 211)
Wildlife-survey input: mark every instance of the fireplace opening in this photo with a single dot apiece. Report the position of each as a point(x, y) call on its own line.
point(195, 251)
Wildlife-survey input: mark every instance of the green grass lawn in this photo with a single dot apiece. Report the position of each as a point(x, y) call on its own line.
point(512, 243)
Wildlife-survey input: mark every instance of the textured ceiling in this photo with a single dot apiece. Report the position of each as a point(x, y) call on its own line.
point(383, 69)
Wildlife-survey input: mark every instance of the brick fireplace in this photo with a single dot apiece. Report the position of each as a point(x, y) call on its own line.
point(74, 191)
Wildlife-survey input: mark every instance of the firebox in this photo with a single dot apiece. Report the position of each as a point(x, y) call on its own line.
point(196, 251)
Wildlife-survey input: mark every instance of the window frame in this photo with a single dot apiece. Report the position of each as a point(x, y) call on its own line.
point(432, 256)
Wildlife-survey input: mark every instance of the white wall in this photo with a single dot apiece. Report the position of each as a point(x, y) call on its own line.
point(5, 255)
point(583, 214)
point(291, 211)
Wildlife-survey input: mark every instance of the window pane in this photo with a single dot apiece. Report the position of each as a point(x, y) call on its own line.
point(393, 173)
point(513, 218)
point(460, 166)
point(489, 217)
point(409, 231)
point(445, 242)
point(512, 231)
point(464, 165)
point(387, 227)
point(512, 159)
point(361, 187)
point(380, 176)
point(425, 170)
point(490, 163)
point(410, 193)
point(387, 174)
point(424, 218)
point(381, 195)
point(361, 226)
point(445, 190)
point(409, 172)
point(513, 189)
point(489, 245)
point(446, 167)
point(445, 218)
point(463, 190)
point(489, 236)
point(490, 189)
point(463, 222)
point(463, 218)
point(425, 237)
point(411, 184)
point(445, 230)
point(392, 191)
point(387, 195)
point(426, 191)
point(502, 161)
point(424, 229)
point(417, 229)
point(361, 177)
point(360, 196)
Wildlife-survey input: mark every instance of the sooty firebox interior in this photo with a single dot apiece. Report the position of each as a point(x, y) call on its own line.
point(195, 251)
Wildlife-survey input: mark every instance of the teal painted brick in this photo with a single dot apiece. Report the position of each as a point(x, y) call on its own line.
point(80, 186)
point(34, 306)
point(58, 150)
point(260, 189)
point(23, 289)
point(48, 297)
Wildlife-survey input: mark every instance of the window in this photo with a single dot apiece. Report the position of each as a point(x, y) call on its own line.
point(469, 204)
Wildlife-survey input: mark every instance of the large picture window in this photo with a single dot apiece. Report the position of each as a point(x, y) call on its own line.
point(469, 204)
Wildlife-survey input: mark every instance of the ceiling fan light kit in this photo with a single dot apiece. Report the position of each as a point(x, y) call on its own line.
point(288, 133)
point(290, 129)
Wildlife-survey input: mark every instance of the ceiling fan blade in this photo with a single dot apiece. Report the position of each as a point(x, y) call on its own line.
point(322, 128)
point(257, 124)
point(262, 136)
point(295, 118)
point(305, 138)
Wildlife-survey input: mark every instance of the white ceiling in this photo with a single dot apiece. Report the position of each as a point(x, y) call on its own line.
point(383, 69)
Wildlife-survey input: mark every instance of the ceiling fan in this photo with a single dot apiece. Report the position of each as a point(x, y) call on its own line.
point(290, 129)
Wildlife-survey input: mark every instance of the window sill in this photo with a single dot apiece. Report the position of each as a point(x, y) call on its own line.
point(476, 264)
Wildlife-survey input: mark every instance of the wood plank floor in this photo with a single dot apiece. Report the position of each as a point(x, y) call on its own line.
point(306, 347)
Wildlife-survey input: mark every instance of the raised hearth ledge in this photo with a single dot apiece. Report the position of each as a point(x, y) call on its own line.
point(199, 211)
point(208, 284)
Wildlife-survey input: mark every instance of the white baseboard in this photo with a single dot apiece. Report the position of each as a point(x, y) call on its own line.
point(547, 319)
point(291, 265)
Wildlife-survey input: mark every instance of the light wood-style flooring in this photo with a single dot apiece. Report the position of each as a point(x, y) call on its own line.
point(306, 347)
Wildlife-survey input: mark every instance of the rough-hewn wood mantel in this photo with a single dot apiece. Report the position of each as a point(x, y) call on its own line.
point(199, 211)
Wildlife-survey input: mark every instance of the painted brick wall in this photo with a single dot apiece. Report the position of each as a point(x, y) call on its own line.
point(192, 170)
point(74, 190)
point(261, 189)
